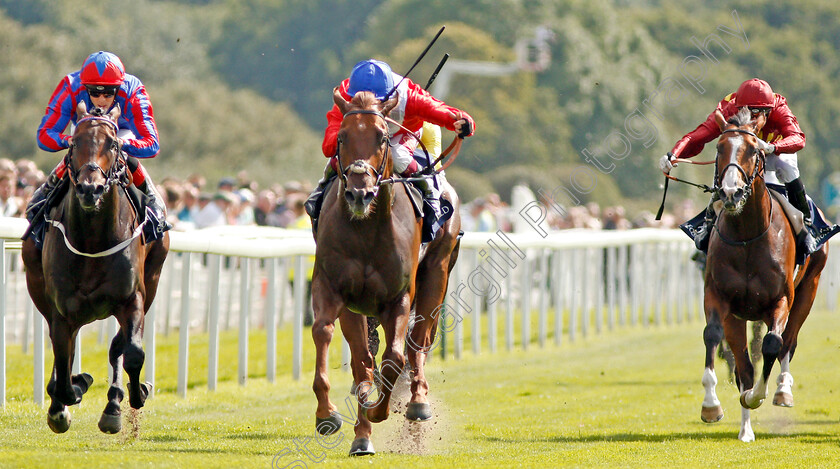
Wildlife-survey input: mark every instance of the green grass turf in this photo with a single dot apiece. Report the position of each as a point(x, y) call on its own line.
point(627, 398)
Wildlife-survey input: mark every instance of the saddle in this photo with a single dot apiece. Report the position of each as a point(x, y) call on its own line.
point(697, 228)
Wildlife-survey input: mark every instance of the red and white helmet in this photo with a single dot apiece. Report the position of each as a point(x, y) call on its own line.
point(102, 68)
point(755, 93)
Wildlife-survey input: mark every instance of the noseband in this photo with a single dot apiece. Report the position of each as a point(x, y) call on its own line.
point(115, 174)
point(749, 178)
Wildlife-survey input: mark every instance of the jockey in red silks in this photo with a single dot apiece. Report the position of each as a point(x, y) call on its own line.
point(782, 139)
point(415, 107)
point(102, 83)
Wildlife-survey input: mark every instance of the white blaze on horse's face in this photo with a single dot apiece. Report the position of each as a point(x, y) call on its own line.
point(732, 183)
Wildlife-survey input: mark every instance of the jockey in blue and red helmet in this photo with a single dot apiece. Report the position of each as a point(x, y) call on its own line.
point(102, 83)
point(415, 106)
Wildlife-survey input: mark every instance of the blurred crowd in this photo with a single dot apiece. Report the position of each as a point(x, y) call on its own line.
point(490, 213)
point(192, 203)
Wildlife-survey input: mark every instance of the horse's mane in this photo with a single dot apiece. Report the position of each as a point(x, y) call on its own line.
point(742, 118)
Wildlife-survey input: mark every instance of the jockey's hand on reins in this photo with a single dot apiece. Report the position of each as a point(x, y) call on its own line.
point(466, 129)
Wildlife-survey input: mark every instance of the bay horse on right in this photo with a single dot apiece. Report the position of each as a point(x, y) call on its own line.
point(751, 273)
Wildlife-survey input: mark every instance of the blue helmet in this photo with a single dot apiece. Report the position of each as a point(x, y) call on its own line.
point(371, 75)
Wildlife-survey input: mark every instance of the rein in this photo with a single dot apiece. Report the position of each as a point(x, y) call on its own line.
point(119, 247)
point(710, 189)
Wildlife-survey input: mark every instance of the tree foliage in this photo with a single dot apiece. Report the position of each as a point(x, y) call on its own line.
point(246, 83)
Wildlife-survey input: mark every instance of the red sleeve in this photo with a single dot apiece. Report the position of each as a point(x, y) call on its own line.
point(793, 139)
point(693, 142)
point(422, 105)
point(330, 145)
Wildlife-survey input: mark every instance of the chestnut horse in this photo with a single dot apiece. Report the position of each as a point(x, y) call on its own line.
point(369, 262)
point(93, 265)
point(751, 274)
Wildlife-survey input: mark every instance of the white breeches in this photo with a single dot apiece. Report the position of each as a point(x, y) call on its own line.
point(784, 168)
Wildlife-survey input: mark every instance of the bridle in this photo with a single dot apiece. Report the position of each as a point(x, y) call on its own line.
point(116, 174)
point(747, 191)
point(749, 178)
point(360, 166)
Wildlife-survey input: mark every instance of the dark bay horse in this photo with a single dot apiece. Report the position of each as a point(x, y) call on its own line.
point(751, 273)
point(369, 262)
point(94, 265)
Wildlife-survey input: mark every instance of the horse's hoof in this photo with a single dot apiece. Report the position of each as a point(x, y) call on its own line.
point(361, 447)
point(783, 399)
point(110, 423)
point(711, 414)
point(418, 411)
point(747, 406)
point(59, 423)
point(329, 425)
point(137, 402)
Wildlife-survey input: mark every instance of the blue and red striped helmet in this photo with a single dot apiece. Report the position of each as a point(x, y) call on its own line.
point(103, 68)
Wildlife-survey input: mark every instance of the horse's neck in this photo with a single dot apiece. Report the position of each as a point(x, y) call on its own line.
point(98, 225)
point(385, 202)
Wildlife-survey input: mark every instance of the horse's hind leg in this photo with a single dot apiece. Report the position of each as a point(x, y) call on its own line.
point(806, 291)
point(110, 421)
point(431, 289)
point(784, 392)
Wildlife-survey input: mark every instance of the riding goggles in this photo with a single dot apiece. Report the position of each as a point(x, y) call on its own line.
point(96, 91)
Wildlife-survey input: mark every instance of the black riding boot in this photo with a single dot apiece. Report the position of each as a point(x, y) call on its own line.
point(796, 195)
point(805, 239)
point(39, 197)
point(156, 223)
point(704, 231)
point(316, 198)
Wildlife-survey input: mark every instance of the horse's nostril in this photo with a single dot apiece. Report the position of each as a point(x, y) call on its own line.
point(368, 197)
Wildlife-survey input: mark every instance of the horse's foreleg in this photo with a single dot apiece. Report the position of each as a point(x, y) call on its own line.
point(394, 322)
point(711, 410)
point(110, 421)
point(326, 312)
point(355, 330)
point(131, 327)
point(746, 433)
point(63, 388)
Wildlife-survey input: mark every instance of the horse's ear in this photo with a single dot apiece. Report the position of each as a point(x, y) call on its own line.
point(759, 122)
point(719, 119)
point(387, 106)
point(339, 100)
point(114, 115)
point(81, 110)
